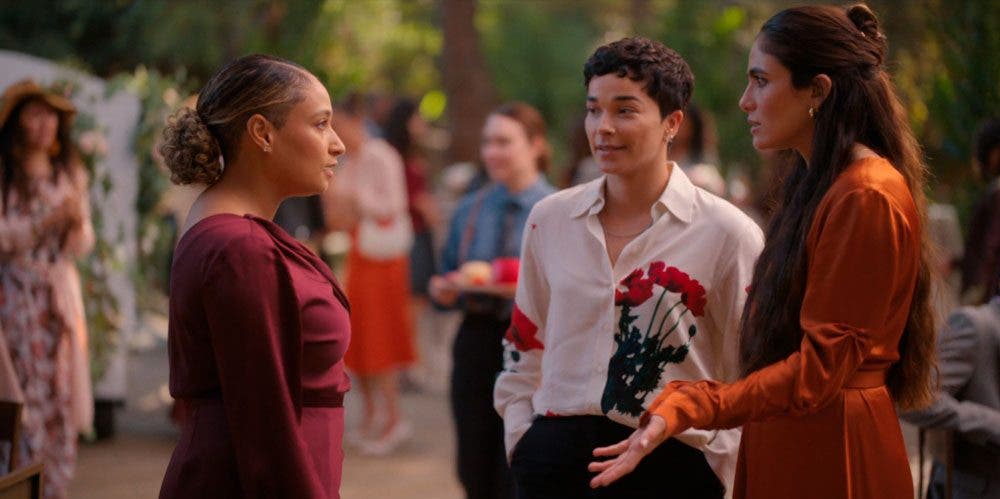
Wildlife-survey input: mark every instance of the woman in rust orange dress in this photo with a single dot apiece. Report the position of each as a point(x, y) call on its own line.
point(837, 328)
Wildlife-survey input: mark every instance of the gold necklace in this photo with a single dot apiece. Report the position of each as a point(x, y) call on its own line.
point(626, 236)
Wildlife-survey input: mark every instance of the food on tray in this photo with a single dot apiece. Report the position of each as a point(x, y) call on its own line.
point(475, 273)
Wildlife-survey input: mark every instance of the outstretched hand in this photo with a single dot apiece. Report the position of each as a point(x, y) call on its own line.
point(625, 455)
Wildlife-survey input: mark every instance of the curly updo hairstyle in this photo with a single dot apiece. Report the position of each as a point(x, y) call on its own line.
point(665, 75)
point(197, 143)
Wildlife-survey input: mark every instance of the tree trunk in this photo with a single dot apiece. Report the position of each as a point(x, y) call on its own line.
point(467, 81)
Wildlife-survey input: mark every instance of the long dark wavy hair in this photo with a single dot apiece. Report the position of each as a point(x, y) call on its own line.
point(862, 107)
point(64, 156)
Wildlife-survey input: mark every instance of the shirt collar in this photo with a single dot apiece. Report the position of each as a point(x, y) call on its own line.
point(677, 198)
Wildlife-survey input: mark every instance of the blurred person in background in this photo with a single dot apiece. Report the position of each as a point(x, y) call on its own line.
point(404, 129)
point(376, 109)
point(694, 150)
point(44, 226)
point(945, 233)
point(372, 188)
point(967, 404)
point(258, 325)
point(488, 224)
point(582, 166)
point(302, 217)
point(981, 262)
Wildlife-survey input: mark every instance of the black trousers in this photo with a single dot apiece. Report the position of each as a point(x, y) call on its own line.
point(551, 461)
point(477, 359)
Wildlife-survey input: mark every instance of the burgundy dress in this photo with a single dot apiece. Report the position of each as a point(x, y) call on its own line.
point(258, 331)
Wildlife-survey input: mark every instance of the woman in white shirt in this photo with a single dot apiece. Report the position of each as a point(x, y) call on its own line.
point(627, 282)
point(488, 224)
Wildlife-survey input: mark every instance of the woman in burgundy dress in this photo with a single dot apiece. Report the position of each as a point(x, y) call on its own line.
point(258, 324)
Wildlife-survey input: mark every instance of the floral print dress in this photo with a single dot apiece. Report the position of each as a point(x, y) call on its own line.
point(38, 315)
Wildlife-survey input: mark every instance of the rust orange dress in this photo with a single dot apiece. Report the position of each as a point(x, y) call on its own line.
point(821, 423)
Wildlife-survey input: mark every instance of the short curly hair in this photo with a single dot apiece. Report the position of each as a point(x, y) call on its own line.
point(665, 75)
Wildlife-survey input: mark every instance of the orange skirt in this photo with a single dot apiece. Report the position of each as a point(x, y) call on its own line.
point(381, 318)
point(851, 449)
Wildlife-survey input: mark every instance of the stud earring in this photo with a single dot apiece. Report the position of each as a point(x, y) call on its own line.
point(267, 148)
point(812, 113)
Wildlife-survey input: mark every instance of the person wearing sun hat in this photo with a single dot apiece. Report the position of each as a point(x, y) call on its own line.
point(24, 90)
point(44, 227)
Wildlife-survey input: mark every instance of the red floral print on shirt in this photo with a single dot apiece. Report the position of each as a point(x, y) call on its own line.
point(637, 290)
point(693, 297)
point(522, 332)
point(640, 358)
point(669, 278)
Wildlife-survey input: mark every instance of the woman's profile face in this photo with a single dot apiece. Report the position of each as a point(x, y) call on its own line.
point(40, 124)
point(778, 112)
point(507, 151)
point(307, 147)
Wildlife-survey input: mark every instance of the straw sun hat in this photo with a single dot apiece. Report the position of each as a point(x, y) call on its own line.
point(28, 89)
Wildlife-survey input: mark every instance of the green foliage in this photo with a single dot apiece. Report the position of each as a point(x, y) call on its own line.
point(534, 62)
point(715, 42)
point(965, 89)
point(943, 54)
point(101, 307)
point(159, 96)
point(393, 48)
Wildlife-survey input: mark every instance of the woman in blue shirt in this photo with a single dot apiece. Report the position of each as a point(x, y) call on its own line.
point(488, 224)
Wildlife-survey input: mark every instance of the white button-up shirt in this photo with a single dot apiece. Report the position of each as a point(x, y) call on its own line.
point(577, 317)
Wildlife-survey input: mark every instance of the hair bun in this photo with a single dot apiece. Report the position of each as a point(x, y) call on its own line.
point(863, 18)
point(866, 21)
point(190, 150)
